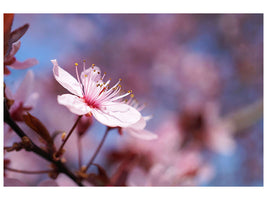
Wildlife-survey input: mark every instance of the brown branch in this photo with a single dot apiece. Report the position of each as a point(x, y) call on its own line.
point(34, 148)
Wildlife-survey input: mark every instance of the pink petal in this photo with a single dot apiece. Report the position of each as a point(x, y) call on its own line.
point(13, 182)
point(117, 114)
point(48, 183)
point(141, 133)
point(74, 104)
point(31, 100)
point(25, 87)
point(25, 64)
point(66, 80)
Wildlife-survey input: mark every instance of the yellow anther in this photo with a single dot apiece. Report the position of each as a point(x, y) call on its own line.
point(120, 79)
point(126, 100)
point(93, 65)
point(85, 75)
point(63, 136)
point(94, 70)
point(129, 91)
point(132, 95)
point(119, 85)
point(105, 72)
point(76, 64)
point(84, 60)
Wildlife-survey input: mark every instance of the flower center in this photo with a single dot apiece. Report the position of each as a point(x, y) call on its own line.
point(92, 103)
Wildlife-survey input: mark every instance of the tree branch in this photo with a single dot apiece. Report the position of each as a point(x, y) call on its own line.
point(60, 166)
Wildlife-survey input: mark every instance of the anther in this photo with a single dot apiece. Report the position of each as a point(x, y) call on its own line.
point(76, 64)
point(93, 65)
point(63, 136)
point(132, 95)
point(120, 79)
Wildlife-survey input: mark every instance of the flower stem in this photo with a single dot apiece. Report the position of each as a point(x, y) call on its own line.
point(59, 152)
point(29, 172)
point(98, 149)
point(79, 152)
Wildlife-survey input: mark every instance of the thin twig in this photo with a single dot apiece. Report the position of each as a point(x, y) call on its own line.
point(79, 152)
point(69, 134)
point(98, 149)
point(28, 172)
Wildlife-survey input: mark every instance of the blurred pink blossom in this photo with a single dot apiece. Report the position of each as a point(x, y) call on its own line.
point(92, 96)
point(12, 62)
point(24, 98)
point(200, 125)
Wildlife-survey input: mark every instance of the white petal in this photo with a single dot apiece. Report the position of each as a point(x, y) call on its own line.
point(74, 104)
point(66, 80)
point(141, 124)
point(117, 114)
point(91, 73)
point(141, 133)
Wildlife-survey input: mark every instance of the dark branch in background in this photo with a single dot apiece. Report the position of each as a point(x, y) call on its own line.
point(61, 168)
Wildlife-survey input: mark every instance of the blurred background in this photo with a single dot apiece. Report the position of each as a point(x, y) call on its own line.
point(200, 75)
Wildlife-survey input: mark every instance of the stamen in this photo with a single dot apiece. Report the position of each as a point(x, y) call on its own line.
point(103, 75)
point(77, 74)
point(84, 65)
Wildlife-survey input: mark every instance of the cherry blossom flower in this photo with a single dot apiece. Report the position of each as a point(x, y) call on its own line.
point(91, 95)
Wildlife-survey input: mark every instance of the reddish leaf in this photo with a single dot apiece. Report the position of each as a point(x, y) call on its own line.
point(8, 20)
point(18, 33)
point(36, 125)
point(100, 179)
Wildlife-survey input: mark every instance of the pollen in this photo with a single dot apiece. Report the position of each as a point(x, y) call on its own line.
point(132, 95)
point(63, 136)
point(93, 65)
point(76, 64)
point(120, 79)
